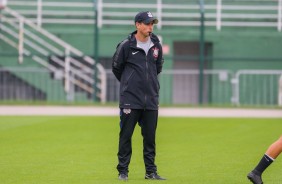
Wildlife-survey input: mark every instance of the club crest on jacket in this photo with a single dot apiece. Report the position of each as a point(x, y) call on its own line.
point(126, 111)
point(155, 52)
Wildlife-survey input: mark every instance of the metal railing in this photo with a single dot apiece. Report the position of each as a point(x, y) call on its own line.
point(218, 13)
point(254, 87)
point(31, 84)
point(39, 84)
point(39, 44)
point(185, 86)
point(221, 87)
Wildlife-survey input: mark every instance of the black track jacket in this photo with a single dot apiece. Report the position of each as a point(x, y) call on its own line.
point(138, 73)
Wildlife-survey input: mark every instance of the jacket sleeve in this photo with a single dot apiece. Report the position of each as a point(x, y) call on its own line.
point(160, 60)
point(118, 61)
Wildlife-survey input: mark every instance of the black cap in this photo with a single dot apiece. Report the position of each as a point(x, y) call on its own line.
point(146, 17)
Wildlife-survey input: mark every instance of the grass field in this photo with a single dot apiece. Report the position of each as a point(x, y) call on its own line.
point(82, 150)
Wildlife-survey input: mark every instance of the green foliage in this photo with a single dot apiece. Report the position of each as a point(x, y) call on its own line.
point(58, 150)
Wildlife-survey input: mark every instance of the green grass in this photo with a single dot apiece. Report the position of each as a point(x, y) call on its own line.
point(82, 150)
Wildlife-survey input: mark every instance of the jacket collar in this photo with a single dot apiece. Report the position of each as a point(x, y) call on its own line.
point(133, 41)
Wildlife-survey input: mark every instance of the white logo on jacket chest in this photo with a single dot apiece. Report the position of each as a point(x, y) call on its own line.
point(133, 53)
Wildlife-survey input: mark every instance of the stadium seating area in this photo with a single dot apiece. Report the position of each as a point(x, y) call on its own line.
point(59, 37)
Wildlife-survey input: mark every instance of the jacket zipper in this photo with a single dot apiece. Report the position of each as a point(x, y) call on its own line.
point(147, 80)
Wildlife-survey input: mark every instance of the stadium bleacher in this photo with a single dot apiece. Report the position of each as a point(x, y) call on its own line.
point(239, 35)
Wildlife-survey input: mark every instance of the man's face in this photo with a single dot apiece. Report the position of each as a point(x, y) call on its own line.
point(145, 29)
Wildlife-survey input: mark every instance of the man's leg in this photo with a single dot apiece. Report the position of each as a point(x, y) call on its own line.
point(128, 120)
point(272, 153)
point(148, 122)
point(275, 149)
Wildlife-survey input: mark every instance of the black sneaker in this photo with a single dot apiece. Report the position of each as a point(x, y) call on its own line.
point(123, 177)
point(255, 178)
point(153, 176)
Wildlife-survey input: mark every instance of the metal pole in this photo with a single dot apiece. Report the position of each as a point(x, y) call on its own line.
point(21, 41)
point(67, 70)
point(279, 19)
point(202, 51)
point(2, 6)
point(39, 13)
point(218, 15)
point(159, 13)
point(96, 50)
point(280, 92)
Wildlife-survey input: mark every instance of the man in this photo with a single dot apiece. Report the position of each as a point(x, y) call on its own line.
point(136, 64)
point(271, 154)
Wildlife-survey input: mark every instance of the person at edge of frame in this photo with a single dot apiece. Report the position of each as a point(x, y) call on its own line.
point(270, 155)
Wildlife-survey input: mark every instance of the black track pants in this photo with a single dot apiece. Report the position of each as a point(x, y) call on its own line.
point(148, 121)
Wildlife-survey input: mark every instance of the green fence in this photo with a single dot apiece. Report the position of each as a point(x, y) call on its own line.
point(178, 87)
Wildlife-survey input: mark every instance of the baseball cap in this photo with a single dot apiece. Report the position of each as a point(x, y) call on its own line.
point(145, 17)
